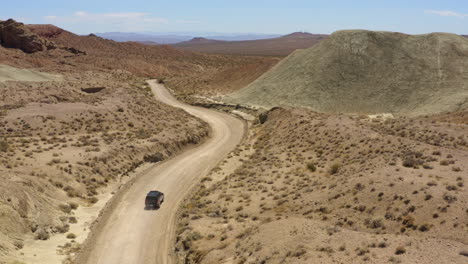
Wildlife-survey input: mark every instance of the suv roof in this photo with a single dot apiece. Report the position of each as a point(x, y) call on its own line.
point(154, 193)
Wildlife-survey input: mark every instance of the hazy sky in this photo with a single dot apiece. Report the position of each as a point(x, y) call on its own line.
point(259, 16)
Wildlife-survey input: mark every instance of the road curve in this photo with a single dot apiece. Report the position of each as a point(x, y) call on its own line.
point(132, 235)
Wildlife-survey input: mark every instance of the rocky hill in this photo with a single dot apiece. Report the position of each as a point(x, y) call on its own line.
point(16, 35)
point(368, 72)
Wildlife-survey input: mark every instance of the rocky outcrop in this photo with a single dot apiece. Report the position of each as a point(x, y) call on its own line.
point(16, 35)
point(93, 89)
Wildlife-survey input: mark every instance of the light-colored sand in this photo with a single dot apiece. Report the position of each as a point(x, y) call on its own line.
point(50, 251)
point(8, 73)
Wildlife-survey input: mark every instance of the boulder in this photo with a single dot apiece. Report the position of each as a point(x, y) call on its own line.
point(16, 35)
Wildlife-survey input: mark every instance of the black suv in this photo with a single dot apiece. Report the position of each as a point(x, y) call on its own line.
point(154, 199)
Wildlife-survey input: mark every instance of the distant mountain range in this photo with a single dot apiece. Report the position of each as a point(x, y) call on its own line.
point(279, 46)
point(251, 44)
point(172, 38)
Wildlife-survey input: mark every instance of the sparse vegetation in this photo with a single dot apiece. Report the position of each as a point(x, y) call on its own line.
point(311, 166)
point(335, 168)
point(302, 182)
point(288, 176)
point(400, 250)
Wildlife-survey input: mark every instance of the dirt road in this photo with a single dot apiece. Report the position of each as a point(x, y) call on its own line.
point(132, 235)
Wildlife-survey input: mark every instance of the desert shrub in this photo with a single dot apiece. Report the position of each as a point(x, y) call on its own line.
point(362, 251)
point(18, 244)
point(400, 250)
point(449, 198)
point(263, 117)
point(424, 227)
point(42, 235)
point(65, 208)
point(93, 200)
point(193, 236)
point(63, 228)
point(153, 158)
point(410, 162)
point(302, 251)
point(427, 167)
point(382, 244)
point(444, 162)
point(73, 205)
point(71, 236)
point(335, 168)
point(71, 192)
point(412, 159)
point(374, 223)
point(311, 166)
point(464, 253)
point(3, 145)
point(451, 188)
point(143, 134)
point(204, 179)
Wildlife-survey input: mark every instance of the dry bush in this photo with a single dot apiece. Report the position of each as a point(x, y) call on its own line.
point(4, 145)
point(311, 166)
point(335, 168)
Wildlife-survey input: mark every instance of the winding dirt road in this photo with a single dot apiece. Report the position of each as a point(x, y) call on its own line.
point(132, 235)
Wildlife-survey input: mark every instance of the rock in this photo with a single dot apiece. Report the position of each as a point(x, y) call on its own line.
point(93, 89)
point(16, 35)
point(75, 51)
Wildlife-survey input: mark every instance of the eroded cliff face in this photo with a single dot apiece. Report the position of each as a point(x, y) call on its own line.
point(16, 35)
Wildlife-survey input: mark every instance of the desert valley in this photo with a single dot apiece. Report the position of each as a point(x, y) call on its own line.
point(306, 148)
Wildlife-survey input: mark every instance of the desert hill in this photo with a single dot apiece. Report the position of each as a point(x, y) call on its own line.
point(148, 42)
point(309, 187)
point(76, 118)
point(369, 72)
point(184, 70)
point(177, 37)
point(199, 40)
point(281, 46)
point(70, 132)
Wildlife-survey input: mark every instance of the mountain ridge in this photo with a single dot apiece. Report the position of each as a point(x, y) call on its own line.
point(359, 71)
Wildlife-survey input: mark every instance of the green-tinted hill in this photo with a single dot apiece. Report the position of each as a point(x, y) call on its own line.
point(360, 71)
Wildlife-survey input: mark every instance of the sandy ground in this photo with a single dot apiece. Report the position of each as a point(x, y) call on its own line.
point(278, 198)
point(135, 235)
point(8, 73)
point(54, 250)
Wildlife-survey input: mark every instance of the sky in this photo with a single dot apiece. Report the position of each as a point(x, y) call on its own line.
point(242, 16)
